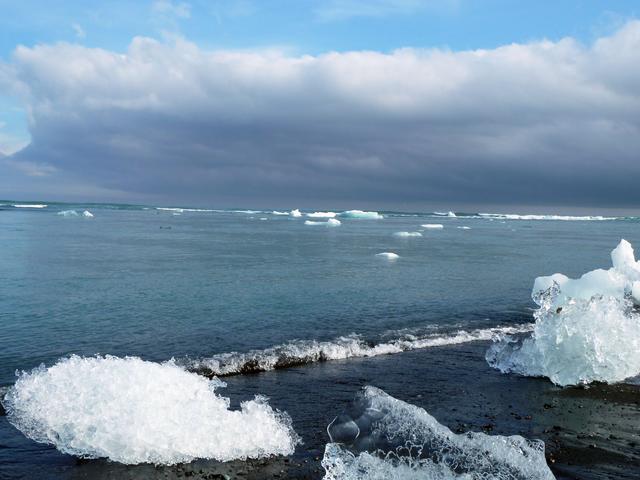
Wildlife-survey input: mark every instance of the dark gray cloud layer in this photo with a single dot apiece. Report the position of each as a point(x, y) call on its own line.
point(548, 123)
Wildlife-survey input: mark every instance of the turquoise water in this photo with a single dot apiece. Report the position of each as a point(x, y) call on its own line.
point(145, 282)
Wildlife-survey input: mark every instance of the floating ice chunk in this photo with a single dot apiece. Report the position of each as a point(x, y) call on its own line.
point(295, 213)
point(464, 228)
point(388, 255)
point(361, 214)
point(87, 214)
point(586, 329)
point(276, 212)
point(445, 214)
point(30, 205)
point(132, 411)
point(332, 222)
point(68, 213)
point(382, 438)
point(264, 218)
point(407, 234)
point(322, 215)
point(432, 226)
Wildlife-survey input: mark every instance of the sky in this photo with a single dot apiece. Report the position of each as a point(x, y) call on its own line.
point(388, 104)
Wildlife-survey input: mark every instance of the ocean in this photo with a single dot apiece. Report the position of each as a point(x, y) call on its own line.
point(307, 314)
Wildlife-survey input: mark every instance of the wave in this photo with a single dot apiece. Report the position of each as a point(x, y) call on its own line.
point(182, 210)
point(382, 438)
point(301, 352)
point(514, 216)
point(133, 411)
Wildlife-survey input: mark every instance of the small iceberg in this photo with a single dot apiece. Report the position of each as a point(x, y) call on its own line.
point(295, 213)
point(87, 214)
point(332, 222)
point(407, 234)
point(133, 411)
point(433, 226)
point(68, 213)
point(322, 215)
point(361, 214)
point(586, 329)
point(388, 255)
point(445, 214)
point(382, 438)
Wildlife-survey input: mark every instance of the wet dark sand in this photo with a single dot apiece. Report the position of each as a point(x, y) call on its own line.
point(590, 433)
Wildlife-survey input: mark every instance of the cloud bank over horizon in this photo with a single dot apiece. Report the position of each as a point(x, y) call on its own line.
point(542, 123)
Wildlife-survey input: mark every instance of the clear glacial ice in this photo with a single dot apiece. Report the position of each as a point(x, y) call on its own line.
point(586, 329)
point(382, 438)
point(133, 411)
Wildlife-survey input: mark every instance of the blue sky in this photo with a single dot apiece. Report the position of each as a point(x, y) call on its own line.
point(291, 29)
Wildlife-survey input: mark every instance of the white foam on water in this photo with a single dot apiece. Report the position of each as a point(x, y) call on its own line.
point(87, 214)
point(276, 212)
point(586, 330)
point(407, 234)
point(432, 226)
point(464, 228)
point(30, 205)
point(182, 210)
point(132, 411)
point(295, 213)
point(382, 438)
point(514, 216)
point(299, 352)
point(322, 215)
point(361, 214)
point(332, 222)
point(68, 213)
point(388, 255)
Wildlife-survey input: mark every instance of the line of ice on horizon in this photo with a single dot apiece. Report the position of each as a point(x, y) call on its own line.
point(300, 352)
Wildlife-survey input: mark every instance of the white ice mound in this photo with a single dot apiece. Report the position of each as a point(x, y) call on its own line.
point(68, 213)
point(332, 222)
point(407, 234)
point(295, 213)
point(388, 255)
point(132, 411)
point(361, 214)
point(382, 438)
point(322, 215)
point(586, 330)
point(87, 214)
point(432, 226)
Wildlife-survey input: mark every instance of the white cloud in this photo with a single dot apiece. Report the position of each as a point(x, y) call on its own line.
point(167, 7)
point(533, 123)
point(79, 31)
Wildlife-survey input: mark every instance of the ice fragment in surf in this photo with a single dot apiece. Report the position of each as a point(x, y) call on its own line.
point(295, 213)
point(132, 411)
point(332, 222)
point(388, 255)
point(432, 226)
point(322, 215)
point(407, 234)
point(87, 214)
point(382, 438)
point(586, 329)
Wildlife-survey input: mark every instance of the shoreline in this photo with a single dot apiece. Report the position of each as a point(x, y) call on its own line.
point(588, 431)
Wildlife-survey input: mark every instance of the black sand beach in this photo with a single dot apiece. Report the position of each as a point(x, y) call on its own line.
point(589, 432)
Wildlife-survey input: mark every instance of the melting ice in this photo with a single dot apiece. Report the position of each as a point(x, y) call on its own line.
point(382, 438)
point(586, 329)
point(132, 411)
